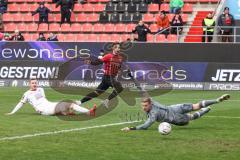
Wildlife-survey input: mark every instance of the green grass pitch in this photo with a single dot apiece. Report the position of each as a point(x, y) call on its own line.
point(215, 136)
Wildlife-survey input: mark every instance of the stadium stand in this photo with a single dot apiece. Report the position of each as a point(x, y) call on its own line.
point(86, 24)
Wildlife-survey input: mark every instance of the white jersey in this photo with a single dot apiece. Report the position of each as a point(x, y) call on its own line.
point(35, 98)
point(38, 101)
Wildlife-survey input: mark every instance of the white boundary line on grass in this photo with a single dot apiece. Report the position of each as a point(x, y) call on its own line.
point(64, 131)
point(87, 128)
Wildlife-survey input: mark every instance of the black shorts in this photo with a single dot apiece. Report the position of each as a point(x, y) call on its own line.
point(109, 81)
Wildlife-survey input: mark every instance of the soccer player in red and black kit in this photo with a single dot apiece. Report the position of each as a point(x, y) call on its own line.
point(112, 65)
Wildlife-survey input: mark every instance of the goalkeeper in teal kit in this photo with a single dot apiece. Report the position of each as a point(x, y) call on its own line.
point(178, 114)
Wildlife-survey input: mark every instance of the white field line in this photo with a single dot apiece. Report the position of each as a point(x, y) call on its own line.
point(64, 131)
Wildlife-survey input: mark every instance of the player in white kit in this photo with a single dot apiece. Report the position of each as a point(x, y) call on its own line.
point(35, 96)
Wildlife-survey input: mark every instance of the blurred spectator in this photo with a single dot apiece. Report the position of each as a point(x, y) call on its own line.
point(3, 6)
point(41, 37)
point(226, 23)
point(17, 36)
point(163, 23)
point(142, 31)
point(176, 6)
point(7, 37)
point(208, 24)
point(176, 24)
point(43, 13)
point(66, 10)
point(115, 17)
point(104, 17)
point(52, 37)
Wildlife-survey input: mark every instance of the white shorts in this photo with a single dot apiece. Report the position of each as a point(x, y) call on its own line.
point(48, 108)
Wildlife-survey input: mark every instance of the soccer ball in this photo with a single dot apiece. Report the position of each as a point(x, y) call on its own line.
point(164, 128)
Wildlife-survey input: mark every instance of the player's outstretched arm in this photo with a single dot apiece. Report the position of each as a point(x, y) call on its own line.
point(18, 106)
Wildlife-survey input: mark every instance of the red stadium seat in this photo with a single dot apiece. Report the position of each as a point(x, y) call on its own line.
point(130, 27)
point(165, 7)
point(54, 9)
point(115, 37)
point(82, 37)
point(87, 27)
point(104, 38)
point(32, 27)
point(99, 7)
point(27, 17)
point(21, 27)
point(92, 38)
point(153, 27)
point(87, 7)
point(160, 38)
point(109, 27)
point(124, 37)
point(34, 37)
point(66, 27)
point(36, 18)
point(184, 18)
point(120, 28)
point(17, 18)
point(150, 38)
point(10, 27)
point(43, 27)
point(76, 27)
point(73, 18)
point(98, 27)
point(7, 17)
point(51, 18)
point(70, 37)
point(13, 7)
point(61, 37)
point(93, 17)
point(82, 17)
point(24, 7)
point(78, 7)
point(187, 8)
point(148, 17)
point(103, 1)
point(172, 38)
point(27, 37)
point(33, 7)
point(57, 18)
point(54, 27)
point(153, 8)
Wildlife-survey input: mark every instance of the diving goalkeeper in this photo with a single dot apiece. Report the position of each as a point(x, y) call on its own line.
point(178, 114)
